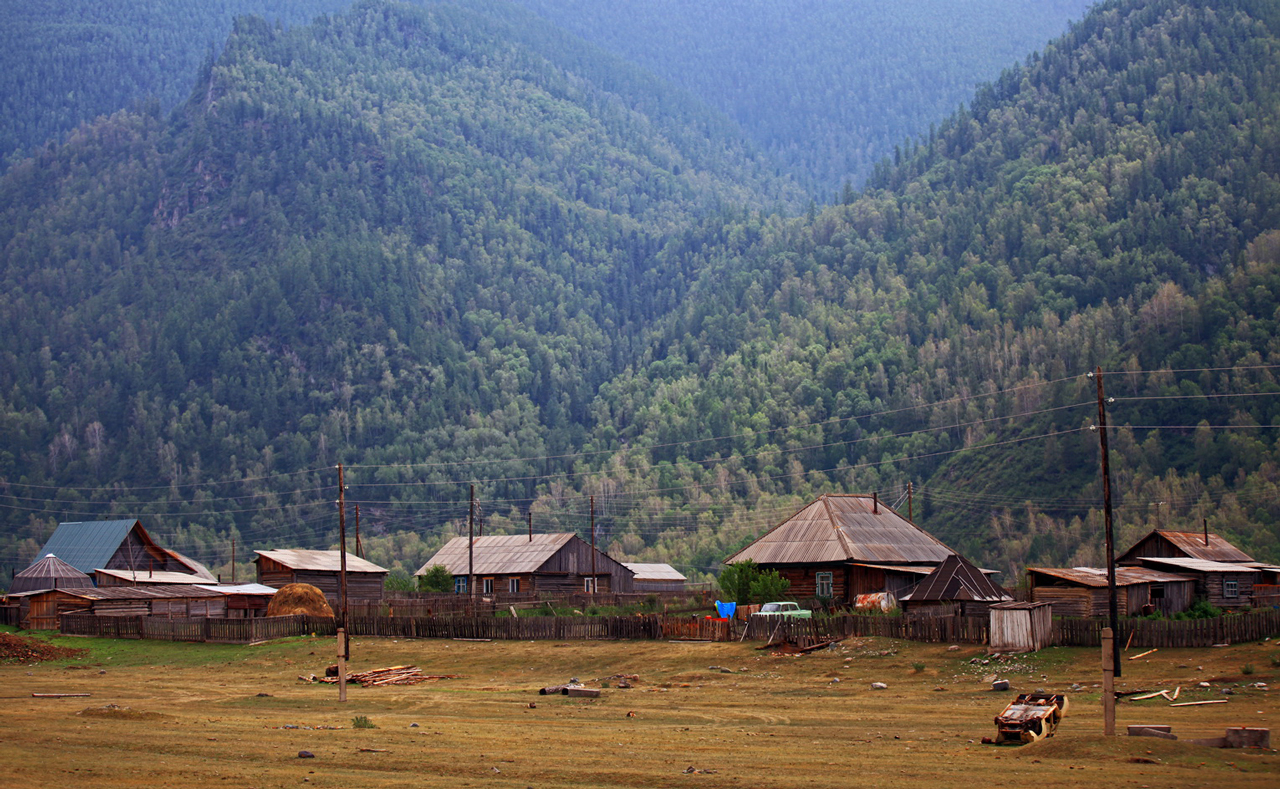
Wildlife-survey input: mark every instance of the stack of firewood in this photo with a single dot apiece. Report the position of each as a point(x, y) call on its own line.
point(393, 675)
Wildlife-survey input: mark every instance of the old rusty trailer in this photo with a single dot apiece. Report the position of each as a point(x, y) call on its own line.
point(1030, 717)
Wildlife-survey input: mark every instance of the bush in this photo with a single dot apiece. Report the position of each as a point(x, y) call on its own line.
point(362, 722)
point(436, 579)
point(918, 667)
point(1203, 609)
point(1247, 669)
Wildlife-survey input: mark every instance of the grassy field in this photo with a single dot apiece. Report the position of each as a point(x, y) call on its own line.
point(204, 715)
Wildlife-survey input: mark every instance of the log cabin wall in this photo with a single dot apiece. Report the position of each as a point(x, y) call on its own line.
point(574, 559)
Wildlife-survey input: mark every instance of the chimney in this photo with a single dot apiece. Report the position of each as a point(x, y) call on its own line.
point(875, 503)
point(1206, 532)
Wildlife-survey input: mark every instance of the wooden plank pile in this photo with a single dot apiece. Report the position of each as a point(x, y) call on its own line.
point(392, 675)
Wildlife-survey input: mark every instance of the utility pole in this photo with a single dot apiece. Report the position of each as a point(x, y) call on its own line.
point(359, 549)
point(910, 511)
point(471, 545)
point(233, 560)
point(1110, 531)
point(593, 550)
point(344, 646)
point(529, 514)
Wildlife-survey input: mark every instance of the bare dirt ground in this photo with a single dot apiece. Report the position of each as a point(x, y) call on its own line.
point(700, 715)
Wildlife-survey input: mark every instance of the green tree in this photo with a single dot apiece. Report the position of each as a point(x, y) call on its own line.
point(436, 579)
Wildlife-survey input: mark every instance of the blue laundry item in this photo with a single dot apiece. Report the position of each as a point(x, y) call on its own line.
point(726, 609)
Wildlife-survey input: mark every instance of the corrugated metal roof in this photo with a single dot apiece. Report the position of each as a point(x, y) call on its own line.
point(48, 573)
point(1191, 544)
point(499, 554)
point(899, 568)
point(957, 579)
point(240, 588)
point(197, 568)
point(157, 577)
point(1096, 577)
point(297, 559)
point(841, 528)
point(654, 572)
point(87, 545)
point(160, 592)
point(1201, 565)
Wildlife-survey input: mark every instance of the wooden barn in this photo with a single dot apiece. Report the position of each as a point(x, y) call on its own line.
point(117, 545)
point(842, 546)
point(955, 587)
point(1082, 591)
point(41, 609)
point(49, 573)
point(365, 580)
point(531, 564)
point(656, 577)
point(1165, 544)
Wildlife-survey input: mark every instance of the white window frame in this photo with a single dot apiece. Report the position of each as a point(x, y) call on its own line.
point(825, 581)
point(513, 585)
point(460, 584)
point(1230, 588)
point(590, 585)
point(487, 586)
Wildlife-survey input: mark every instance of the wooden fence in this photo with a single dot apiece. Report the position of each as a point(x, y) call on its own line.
point(1171, 633)
point(449, 604)
point(1146, 633)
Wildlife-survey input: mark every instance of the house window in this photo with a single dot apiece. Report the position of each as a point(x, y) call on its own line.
point(488, 586)
point(1157, 591)
point(513, 585)
point(460, 584)
point(589, 585)
point(826, 587)
point(1230, 588)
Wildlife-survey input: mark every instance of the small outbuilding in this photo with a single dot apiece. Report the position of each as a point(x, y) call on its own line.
point(1082, 591)
point(1223, 584)
point(49, 573)
point(955, 587)
point(656, 577)
point(321, 569)
point(117, 545)
point(1021, 627)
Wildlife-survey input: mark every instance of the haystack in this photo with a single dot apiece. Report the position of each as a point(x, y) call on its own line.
point(294, 599)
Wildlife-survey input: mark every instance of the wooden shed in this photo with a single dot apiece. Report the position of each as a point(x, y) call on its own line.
point(1082, 591)
point(841, 546)
point(955, 587)
point(321, 569)
point(530, 564)
point(1021, 627)
point(1166, 544)
point(656, 577)
point(44, 608)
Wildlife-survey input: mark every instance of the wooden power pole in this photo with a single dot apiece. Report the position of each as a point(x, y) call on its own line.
point(593, 550)
point(1112, 606)
point(344, 648)
point(471, 544)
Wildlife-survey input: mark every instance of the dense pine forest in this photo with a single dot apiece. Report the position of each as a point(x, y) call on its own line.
point(453, 245)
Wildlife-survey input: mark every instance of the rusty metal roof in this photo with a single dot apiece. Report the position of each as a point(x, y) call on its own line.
point(1192, 545)
point(149, 592)
point(499, 554)
point(654, 572)
point(957, 579)
point(839, 528)
point(1097, 577)
point(331, 561)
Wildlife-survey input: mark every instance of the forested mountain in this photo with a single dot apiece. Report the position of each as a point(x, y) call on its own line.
point(445, 250)
point(827, 88)
point(396, 236)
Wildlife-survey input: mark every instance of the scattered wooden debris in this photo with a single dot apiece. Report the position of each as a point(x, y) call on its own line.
point(1143, 654)
point(1150, 695)
point(59, 695)
point(393, 675)
point(374, 750)
point(1195, 703)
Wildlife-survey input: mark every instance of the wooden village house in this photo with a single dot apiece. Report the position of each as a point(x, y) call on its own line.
point(955, 587)
point(122, 545)
point(841, 546)
point(530, 564)
point(1223, 574)
point(42, 609)
point(321, 569)
point(1082, 591)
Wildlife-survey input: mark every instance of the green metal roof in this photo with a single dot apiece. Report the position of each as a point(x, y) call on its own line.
point(87, 545)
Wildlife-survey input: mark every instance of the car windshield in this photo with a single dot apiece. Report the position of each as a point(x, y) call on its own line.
point(771, 607)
